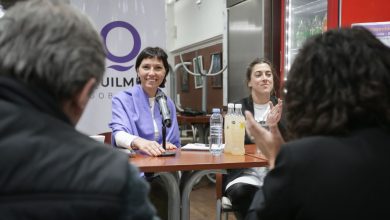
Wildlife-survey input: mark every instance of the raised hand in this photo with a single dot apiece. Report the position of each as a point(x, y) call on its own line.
point(275, 113)
point(268, 141)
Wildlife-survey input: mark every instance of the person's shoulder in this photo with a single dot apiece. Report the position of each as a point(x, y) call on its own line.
point(311, 141)
point(128, 93)
point(312, 147)
point(169, 99)
point(82, 149)
point(335, 141)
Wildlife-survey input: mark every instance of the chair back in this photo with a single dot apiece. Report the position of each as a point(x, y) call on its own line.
point(107, 135)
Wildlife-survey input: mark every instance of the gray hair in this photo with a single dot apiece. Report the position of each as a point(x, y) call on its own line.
point(51, 45)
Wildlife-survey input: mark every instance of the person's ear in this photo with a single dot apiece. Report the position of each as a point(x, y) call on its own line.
point(75, 107)
point(82, 97)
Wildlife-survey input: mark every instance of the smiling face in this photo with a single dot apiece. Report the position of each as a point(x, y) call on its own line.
point(151, 72)
point(261, 79)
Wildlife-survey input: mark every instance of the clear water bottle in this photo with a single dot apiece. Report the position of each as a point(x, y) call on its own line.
point(216, 123)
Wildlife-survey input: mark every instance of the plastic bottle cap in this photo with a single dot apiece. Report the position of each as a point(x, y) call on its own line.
point(216, 110)
point(230, 105)
point(238, 106)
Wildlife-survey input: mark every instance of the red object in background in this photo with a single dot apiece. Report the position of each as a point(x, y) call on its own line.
point(351, 11)
point(333, 14)
point(362, 11)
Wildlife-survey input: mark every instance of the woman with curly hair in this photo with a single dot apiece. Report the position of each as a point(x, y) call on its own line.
point(338, 118)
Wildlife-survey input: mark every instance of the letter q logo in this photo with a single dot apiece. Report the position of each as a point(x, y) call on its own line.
point(130, 56)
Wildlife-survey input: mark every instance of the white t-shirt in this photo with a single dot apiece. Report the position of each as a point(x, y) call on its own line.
point(261, 111)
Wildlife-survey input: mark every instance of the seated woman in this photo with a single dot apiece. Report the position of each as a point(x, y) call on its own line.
point(136, 119)
point(241, 184)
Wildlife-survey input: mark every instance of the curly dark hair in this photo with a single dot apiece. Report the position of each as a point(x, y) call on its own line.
point(153, 52)
point(339, 82)
point(273, 70)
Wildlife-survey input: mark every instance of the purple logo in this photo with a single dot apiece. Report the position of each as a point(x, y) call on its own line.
point(133, 53)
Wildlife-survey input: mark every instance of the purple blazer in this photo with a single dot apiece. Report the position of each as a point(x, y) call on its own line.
point(131, 113)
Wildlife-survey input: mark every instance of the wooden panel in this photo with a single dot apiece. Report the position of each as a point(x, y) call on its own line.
point(193, 97)
point(201, 119)
point(107, 137)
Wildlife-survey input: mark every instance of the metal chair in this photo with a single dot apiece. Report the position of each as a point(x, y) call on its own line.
point(224, 205)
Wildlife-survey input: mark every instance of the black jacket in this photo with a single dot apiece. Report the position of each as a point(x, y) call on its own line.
point(325, 177)
point(48, 170)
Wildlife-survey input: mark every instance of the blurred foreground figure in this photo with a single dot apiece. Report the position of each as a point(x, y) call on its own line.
point(338, 118)
point(51, 60)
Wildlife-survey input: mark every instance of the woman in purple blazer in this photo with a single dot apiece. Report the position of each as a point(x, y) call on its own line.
point(136, 120)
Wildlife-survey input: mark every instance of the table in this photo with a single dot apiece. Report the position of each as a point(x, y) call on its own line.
point(201, 163)
point(201, 122)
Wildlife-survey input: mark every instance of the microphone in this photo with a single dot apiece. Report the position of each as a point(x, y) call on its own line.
point(164, 110)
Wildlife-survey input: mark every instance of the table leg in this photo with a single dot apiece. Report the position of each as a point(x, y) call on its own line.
point(188, 185)
point(171, 184)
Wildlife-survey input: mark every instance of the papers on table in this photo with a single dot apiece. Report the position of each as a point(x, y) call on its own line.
point(197, 146)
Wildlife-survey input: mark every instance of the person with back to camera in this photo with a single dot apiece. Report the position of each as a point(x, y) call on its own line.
point(52, 59)
point(136, 120)
point(241, 184)
point(338, 118)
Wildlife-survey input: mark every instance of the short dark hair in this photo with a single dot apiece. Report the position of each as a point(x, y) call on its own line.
point(153, 52)
point(339, 81)
point(273, 70)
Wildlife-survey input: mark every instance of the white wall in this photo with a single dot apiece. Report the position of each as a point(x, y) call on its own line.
point(193, 24)
point(147, 17)
point(190, 23)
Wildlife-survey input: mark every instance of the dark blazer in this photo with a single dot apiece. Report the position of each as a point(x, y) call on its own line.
point(326, 177)
point(48, 170)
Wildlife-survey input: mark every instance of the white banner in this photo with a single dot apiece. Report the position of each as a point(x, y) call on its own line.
point(126, 26)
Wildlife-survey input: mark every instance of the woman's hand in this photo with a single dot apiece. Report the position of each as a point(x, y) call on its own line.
point(275, 113)
point(268, 142)
point(151, 148)
point(170, 146)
